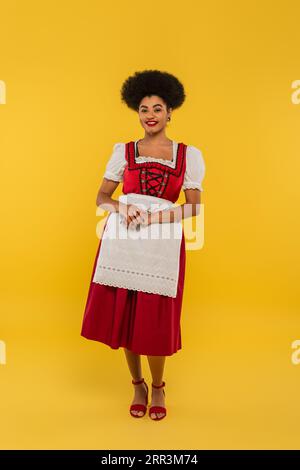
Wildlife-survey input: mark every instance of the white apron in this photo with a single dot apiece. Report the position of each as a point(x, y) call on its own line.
point(144, 258)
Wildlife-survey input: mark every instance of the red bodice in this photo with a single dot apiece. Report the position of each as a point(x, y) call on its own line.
point(154, 178)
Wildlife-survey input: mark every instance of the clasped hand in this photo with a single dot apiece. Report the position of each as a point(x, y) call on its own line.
point(133, 216)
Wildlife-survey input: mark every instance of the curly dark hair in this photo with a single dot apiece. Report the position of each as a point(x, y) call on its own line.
point(152, 82)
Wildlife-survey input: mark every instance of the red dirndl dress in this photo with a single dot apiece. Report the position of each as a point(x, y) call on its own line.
point(145, 323)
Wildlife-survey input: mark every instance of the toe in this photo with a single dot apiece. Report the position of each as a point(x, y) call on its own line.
point(157, 415)
point(137, 412)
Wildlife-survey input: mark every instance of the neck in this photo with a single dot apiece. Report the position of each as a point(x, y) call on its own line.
point(158, 138)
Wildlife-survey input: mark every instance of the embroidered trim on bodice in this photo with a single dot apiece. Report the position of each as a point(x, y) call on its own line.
point(152, 162)
point(154, 172)
point(145, 159)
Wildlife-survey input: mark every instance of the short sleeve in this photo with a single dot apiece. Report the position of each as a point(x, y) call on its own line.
point(195, 169)
point(116, 164)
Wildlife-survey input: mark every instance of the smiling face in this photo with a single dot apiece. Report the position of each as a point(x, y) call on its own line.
point(153, 108)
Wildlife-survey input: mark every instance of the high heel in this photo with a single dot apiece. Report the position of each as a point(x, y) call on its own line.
point(158, 409)
point(139, 406)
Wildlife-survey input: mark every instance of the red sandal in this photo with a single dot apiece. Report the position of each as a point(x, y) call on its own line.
point(158, 409)
point(138, 406)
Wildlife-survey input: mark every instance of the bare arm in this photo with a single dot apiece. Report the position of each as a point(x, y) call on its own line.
point(104, 198)
point(130, 212)
point(189, 209)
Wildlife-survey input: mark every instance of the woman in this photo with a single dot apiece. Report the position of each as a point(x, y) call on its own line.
point(143, 322)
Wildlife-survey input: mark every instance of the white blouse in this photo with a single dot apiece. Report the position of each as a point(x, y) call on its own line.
point(195, 166)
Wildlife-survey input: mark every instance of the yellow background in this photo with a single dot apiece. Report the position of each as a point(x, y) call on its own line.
point(233, 385)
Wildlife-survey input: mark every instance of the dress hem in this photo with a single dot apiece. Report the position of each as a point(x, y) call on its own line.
point(124, 346)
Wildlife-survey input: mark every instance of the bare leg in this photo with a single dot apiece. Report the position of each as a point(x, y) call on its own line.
point(135, 368)
point(157, 364)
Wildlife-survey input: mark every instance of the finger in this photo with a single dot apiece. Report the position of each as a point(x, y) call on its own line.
point(138, 211)
point(132, 225)
point(129, 220)
point(134, 211)
point(144, 222)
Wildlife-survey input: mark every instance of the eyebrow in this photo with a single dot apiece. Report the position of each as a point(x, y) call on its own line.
point(144, 106)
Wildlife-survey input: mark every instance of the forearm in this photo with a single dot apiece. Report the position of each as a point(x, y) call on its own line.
point(175, 214)
point(107, 203)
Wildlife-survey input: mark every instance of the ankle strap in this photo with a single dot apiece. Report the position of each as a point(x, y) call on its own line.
point(159, 386)
point(136, 382)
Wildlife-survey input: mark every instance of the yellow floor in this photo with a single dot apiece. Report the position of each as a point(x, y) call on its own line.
point(232, 386)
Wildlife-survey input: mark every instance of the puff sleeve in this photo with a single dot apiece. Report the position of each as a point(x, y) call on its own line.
point(116, 164)
point(195, 169)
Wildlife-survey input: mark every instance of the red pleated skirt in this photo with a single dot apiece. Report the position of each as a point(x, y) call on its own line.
point(144, 323)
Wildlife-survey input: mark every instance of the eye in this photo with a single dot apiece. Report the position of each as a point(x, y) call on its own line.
point(144, 110)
